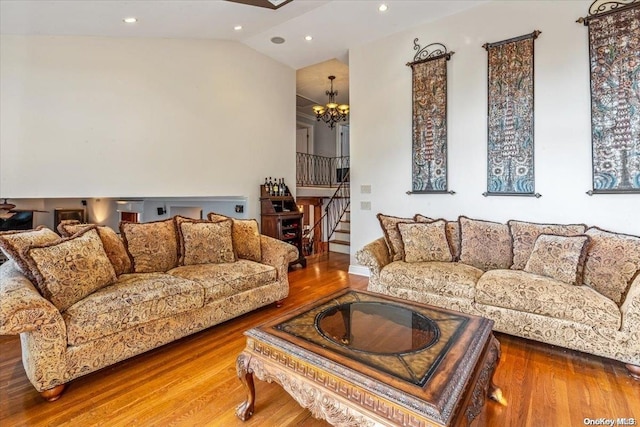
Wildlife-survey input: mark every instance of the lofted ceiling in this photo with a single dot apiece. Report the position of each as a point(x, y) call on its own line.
point(336, 26)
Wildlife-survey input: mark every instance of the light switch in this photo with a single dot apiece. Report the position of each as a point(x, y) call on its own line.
point(365, 189)
point(365, 206)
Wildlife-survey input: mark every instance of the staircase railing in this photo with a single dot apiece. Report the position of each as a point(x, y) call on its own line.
point(333, 213)
point(320, 171)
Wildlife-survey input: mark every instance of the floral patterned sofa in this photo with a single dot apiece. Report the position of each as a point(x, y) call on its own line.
point(92, 298)
point(568, 285)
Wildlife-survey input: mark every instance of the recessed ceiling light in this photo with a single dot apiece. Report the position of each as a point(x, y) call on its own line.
point(308, 38)
point(277, 40)
point(130, 20)
point(383, 7)
point(237, 27)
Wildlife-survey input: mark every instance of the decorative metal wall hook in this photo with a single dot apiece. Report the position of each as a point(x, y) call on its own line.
point(604, 7)
point(430, 51)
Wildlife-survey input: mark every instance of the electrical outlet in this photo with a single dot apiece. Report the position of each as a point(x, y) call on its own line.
point(365, 189)
point(239, 208)
point(365, 206)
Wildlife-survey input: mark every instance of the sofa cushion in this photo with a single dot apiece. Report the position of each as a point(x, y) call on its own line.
point(450, 279)
point(559, 257)
point(527, 292)
point(389, 225)
point(613, 260)
point(13, 244)
point(113, 244)
point(524, 235)
point(452, 230)
point(246, 236)
point(485, 244)
point(223, 280)
point(206, 242)
point(135, 299)
point(152, 246)
point(68, 270)
point(425, 241)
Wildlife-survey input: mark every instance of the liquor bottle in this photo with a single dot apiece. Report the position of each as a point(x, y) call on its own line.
point(276, 189)
point(266, 186)
point(281, 186)
point(270, 192)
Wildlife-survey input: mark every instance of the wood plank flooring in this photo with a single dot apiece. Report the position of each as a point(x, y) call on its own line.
point(192, 382)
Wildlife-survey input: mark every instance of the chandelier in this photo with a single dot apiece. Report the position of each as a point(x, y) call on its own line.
point(332, 112)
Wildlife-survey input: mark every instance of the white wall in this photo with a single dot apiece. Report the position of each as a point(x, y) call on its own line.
point(380, 95)
point(116, 117)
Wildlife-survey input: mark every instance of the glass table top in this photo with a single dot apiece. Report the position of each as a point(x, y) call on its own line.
point(377, 328)
point(406, 341)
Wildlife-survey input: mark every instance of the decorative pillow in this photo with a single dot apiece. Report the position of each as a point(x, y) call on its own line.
point(558, 257)
point(152, 246)
point(392, 236)
point(246, 236)
point(206, 242)
point(524, 236)
point(453, 234)
point(13, 244)
point(613, 261)
point(485, 244)
point(68, 270)
point(113, 244)
point(62, 226)
point(425, 241)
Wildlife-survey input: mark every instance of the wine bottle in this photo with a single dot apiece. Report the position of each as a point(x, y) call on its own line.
point(270, 192)
point(266, 186)
point(281, 187)
point(276, 190)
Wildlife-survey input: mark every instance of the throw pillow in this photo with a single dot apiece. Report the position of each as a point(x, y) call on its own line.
point(524, 236)
point(392, 236)
point(558, 257)
point(206, 242)
point(68, 270)
point(245, 234)
point(425, 241)
point(113, 244)
point(453, 234)
point(484, 244)
point(152, 246)
point(613, 261)
point(13, 244)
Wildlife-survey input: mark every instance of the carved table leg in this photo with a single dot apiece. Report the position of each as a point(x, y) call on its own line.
point(53, 393)
point(244, 411)
point(633, 370)
point(495, 393)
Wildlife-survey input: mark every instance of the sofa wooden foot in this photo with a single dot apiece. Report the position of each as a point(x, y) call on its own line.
point(633, 370)
point(53, 393)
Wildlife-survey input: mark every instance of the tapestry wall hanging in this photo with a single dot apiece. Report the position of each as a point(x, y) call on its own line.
point(429, 147)
point(614, 56)
point(510, 154)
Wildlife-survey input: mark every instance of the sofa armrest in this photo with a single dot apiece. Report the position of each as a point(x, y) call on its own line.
point(374, 255)
point(273, 248)
point(630, 308)
point(22, 308)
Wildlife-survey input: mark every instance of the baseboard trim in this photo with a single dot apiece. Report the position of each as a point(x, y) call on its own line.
point(359, 270)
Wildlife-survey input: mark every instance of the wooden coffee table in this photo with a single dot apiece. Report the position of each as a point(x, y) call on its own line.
point(362, 359)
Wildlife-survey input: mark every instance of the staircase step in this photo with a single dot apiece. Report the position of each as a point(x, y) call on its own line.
point(339, 246)
point(340, 242)
point(342, 231)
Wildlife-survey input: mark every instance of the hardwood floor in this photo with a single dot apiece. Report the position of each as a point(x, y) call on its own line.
point(192, 382)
